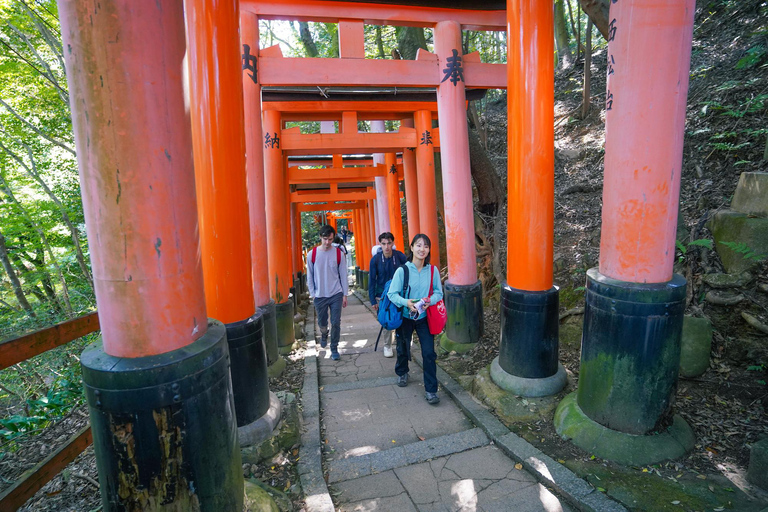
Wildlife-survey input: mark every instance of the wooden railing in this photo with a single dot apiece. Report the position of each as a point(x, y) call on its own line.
point(25, 347)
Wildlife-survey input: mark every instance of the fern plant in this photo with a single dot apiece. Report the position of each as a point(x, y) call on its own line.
point(744, 250)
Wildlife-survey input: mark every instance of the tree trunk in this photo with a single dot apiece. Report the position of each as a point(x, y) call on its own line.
point(487, 182)
point(380, 43)
point(573, 30)
point(74, 234)
point(306, 39)
point(562, 39)
point(64, 288)
point(482, 131)
point(597, 10)
point(15, 283)
point(586, 95)
point(409, 40)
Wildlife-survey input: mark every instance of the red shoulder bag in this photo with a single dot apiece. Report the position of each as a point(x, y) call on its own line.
point(436, 313)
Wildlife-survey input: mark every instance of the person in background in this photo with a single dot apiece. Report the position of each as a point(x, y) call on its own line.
point(420, 275)
point(327, 283)
point(382, 268)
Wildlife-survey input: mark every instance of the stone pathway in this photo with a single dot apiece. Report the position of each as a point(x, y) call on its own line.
point(384, 448)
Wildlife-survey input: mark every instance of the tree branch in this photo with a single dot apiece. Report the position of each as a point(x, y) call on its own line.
point(36, 130)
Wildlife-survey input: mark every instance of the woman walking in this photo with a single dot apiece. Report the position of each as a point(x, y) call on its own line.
point(417, 298)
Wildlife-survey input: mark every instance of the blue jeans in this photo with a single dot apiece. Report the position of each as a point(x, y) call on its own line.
point(427, 341)
point(322, 305)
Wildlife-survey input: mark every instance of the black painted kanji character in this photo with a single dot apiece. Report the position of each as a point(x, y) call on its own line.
point(612, 30)
point(454, 71)
point(271, 141)
point(609, 101)
point(393, 169)
point(426, 138)
point(611, 62)
point(249, 62)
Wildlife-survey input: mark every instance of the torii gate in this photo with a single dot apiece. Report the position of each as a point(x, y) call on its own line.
point(158, 386)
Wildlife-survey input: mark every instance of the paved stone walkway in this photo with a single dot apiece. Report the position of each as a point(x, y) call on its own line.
point(385, 449)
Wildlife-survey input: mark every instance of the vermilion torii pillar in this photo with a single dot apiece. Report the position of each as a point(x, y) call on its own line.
point(393, 196)
point(382, 192)
point(218, 139)
point(527, 363)
point(634, 306)
point(159, 377)
point(463, 291)
point(411, 187)
point(279, 256)
point(254, 170)
point(425, 175)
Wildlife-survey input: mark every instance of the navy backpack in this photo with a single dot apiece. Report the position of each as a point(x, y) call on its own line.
point(391, 316)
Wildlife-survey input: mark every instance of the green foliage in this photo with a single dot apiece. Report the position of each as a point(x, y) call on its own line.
point(700, 242)
point(746, 251)
point(752, 58)
point(41, 215)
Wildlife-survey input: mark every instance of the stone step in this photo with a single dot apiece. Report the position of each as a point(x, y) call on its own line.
point(414, 453)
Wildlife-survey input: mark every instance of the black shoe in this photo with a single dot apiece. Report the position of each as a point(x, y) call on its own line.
point(323, 342)
point(432, 398)
point(402, 381)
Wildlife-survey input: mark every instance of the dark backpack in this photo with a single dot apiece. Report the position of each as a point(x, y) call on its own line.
point(338, 255)
point(391, 316)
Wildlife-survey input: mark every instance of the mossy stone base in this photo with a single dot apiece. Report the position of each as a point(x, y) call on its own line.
point(276, 369)
point(510, 408)
point(629, 449)
point(257, 499)
point(263, 427)
point(452, 346)
point(733, 226)
point(522, 386)
point(758, 464)
point(695, 345)
point(284, 436)
point(288, 349)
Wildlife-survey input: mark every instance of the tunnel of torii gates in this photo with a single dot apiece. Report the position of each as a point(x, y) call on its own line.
point(192, 190)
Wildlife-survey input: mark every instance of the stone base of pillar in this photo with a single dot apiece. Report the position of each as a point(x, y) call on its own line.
point(358, 279)
point(179, 401)
point(304, 289)
point(294, 298)
point(276, 369)
point(284, 317)
point(527, 363)
point(671, 442)
point(260, 429)
point(630, 352)
point(269, 317)
point(528, 388)
point(464, 304)
point(248, 355)
point(364, 280)
point(300, 284)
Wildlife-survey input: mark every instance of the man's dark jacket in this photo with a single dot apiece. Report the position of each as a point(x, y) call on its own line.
point(381, 270)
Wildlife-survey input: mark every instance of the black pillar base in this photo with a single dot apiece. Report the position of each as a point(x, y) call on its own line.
point(164, 427)
point(527, 363)
point(464, 304)
point(304, 288)
point(364, 279)
point(269, 317)
point(358, 280)
point(250, 382)
point(285, 332)
point(630, 352)
point(293, 297)
point(300, 288)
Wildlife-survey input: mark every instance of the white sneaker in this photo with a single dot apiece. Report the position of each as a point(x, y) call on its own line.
point(388, 352)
